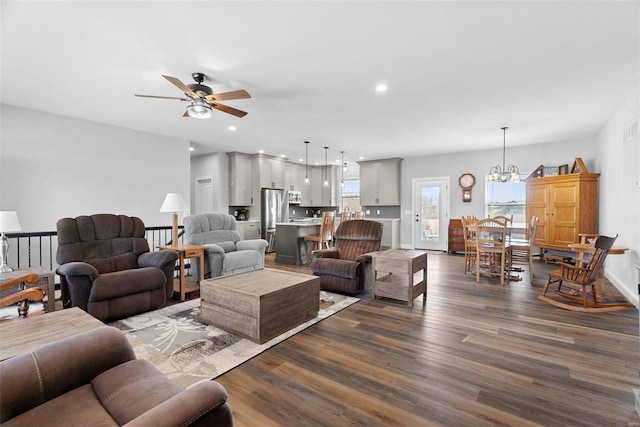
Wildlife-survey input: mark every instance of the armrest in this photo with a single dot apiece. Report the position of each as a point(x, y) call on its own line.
point(255, 244)
point(28, 379)
point(212, 248)
point(326, 253)
point(157, 259)
point(186, 408)
point(364, 258)
point(78, 269)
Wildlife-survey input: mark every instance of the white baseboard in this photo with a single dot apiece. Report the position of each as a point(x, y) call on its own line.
point(632, 297)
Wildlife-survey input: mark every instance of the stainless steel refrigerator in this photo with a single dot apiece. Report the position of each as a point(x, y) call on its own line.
point(274, 209)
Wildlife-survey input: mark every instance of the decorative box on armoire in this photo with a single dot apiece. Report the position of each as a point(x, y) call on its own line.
point(456, 236)
point(566, 206)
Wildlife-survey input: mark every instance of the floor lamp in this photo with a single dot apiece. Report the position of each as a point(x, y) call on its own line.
point(173, 203)
point(8, 222)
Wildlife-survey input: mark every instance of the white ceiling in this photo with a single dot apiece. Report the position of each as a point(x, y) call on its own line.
point(457, 71)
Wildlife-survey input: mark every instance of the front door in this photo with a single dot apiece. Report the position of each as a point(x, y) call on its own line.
point(430, 213)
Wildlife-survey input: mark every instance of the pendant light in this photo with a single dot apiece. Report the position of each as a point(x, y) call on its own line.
point(326, 168)
point(504, 174)
point(344, 166)
point(306, 163)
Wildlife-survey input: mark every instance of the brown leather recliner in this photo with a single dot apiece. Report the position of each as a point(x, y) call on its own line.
point(94, 378)
point(106, 268)
point(343, 268)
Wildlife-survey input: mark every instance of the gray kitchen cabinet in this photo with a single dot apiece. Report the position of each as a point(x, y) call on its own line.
point(294, 176)
point(248, 229)
point(240, 179)
point(269, 171)
point(380, 182)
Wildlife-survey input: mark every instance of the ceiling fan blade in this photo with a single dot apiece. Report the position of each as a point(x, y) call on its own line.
point(227, 96)
point(227, 109)
point(162, 97)
point(183, 87)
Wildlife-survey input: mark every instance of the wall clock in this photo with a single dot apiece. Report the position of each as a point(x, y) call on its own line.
point(466, 181)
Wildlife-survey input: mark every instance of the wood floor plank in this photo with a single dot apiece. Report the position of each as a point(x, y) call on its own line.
point(476, 354)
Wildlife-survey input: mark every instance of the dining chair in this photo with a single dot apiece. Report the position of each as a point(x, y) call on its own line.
point(522, 250)
point(469, 236)
point(345, 216)
point(325, 236)
point(493, 254)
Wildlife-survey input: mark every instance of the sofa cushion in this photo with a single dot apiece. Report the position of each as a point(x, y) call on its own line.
point(77, 408)
point(335, 267)
point(131, 389)
point(241, 262)
point(120, 283)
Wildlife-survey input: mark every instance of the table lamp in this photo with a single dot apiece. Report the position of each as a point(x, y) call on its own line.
point(173, 203)
point(8, 222)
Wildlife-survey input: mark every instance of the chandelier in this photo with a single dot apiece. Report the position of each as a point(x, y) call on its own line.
point(504, 174)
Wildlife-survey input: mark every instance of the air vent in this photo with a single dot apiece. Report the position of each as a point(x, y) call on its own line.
point(631, 131)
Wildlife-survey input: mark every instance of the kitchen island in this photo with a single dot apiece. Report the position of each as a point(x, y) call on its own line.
point(290, 245)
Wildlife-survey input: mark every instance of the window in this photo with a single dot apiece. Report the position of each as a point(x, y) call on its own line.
point(506, 198)
point(351, 195)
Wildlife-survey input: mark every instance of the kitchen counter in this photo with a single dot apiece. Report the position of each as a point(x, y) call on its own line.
point(290, 245)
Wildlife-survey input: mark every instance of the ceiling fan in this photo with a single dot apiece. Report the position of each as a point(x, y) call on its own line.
point(202, 99)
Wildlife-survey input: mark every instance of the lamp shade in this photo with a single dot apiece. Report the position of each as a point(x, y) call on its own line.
point(173, 203)
point(9, 221)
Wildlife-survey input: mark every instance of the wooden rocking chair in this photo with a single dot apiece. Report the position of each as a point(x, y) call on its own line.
point(578, 278)
point(24, 295)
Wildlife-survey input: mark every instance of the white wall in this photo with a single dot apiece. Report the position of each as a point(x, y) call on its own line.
point(478, 163)
point(619, 202)
point(216, 166)
point(53, 166)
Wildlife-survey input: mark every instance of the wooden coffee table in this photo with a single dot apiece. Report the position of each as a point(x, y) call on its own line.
point(21, 335)
point(261, 304)
point(400, 274)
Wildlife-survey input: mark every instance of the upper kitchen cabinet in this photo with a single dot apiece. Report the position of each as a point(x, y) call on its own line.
point(269, 171)
point(240, 179)
point(316, 194)
point(294, 176)
point(380, 182)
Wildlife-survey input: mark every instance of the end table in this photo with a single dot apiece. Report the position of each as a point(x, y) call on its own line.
point(187, 251)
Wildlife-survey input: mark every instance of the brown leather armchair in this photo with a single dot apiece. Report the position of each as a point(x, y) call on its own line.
point(343, 268)
point(106, 268)
point(94, 378)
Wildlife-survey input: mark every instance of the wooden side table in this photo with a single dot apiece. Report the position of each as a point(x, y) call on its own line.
point(400, 274)
point(46, 281)
point(187, 251)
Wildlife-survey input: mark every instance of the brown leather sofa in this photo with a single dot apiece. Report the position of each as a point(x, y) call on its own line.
point(345, 267)
point(94, 378)
point(106, 268)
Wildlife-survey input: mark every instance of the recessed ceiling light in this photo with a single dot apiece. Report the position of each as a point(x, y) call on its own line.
point(360, 158)
point(191, 148)
point(261, 151)
point(301, 160)
point(382, 87)
point(284, 156)
point(317, 163)
point(232, 128)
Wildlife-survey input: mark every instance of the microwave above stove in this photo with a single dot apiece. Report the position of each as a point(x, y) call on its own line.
point(295, 197)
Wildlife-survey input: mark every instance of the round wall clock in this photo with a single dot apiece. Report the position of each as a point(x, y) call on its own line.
point(466, 181)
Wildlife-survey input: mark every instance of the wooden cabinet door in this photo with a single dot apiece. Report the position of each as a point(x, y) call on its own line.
point(538, 205)
point(564, 212)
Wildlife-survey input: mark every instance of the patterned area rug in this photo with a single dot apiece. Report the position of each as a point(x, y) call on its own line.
point(187, 351)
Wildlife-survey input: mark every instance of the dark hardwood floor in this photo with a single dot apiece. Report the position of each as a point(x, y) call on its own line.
point(477, 354)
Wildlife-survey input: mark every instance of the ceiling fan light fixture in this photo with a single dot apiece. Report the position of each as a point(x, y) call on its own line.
point(199, 109)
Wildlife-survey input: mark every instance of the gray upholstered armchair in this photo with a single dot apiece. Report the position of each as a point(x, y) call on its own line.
point(225, 254)
point(94, 378)
point(106, 268)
